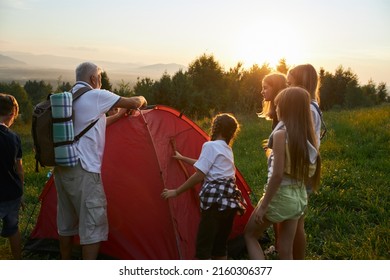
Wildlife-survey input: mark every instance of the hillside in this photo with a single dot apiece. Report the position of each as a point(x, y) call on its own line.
point(21, 67)
point(9, 61)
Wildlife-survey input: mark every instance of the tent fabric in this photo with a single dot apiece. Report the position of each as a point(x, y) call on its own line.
point(137, 166)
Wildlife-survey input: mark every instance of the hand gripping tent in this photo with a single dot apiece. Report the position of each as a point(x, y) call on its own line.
point(137, 166)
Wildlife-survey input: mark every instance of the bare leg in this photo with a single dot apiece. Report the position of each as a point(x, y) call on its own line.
point(253, 232)
point(16, 245)
point(90, 251)
point(300, 240)
point(286, 239)
point(66, 245)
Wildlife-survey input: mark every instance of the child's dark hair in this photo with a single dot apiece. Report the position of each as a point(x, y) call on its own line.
point(226, 126)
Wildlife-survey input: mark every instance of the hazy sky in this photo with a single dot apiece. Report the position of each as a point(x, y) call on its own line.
point(325, 33)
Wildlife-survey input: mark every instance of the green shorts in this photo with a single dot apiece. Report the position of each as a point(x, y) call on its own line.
point(289, 203)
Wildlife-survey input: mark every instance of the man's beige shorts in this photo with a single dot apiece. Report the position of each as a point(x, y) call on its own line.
point(81, 207)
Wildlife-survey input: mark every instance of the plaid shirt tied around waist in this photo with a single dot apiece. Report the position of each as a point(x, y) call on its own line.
point(224, 193)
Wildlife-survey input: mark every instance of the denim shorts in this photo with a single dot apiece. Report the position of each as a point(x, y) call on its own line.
point(9, 214)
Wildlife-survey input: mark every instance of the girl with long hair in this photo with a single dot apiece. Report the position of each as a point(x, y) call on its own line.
point(294, 162)
point(305, 76)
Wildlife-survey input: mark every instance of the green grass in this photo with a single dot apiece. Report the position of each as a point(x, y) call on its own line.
point(347, 219)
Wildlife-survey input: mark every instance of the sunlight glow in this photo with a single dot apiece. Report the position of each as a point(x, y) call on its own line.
point(259, 45)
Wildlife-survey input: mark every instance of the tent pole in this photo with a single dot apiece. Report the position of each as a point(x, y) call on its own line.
point(169, 206)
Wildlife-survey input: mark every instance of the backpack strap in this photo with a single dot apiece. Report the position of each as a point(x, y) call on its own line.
point(80, 92)
point(323, 132)
point(78, 136)
point(76, 95)
point(317, 108)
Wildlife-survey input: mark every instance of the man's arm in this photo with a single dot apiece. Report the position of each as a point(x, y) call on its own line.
point(133, 102)
point(113, 118)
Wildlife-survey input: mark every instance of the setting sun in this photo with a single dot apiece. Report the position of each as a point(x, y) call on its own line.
point(258, 45)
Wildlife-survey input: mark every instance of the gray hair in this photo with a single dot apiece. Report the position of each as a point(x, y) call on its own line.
point(85, 70)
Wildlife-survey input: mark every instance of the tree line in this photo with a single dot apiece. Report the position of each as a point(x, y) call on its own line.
point(206, 88)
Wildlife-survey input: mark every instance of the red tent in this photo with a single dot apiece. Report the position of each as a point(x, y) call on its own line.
point(137, 166)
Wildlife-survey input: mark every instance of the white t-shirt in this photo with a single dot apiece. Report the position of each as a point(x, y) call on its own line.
point(91, 106)
point(216, 160)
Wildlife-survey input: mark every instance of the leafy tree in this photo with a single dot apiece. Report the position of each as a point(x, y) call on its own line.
point(15, 89)
point(38, 91)
point(145, 87)
point(106, 82)
point(233, 80)
point(163, 90)
point(282, 66)
point(207, 77)
point(369, 91)
point(205, 71)
point(382, 92)
point(182, 91)
point(345, 79)
point(334, 88)
point(327, 90)
point(250, 98)
point(354, 97)
point(62, 86)
point(124, 89)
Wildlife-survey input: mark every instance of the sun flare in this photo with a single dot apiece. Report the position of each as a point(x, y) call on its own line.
point(268, 45)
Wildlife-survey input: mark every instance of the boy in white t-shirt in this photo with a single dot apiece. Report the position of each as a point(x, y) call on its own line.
point(220, 199)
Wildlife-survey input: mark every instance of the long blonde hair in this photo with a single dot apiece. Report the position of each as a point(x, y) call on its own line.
point(277, 81)
point(294, 110)
point(305, 75)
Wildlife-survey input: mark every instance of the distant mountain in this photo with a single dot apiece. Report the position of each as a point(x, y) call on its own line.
point(61, 62)
point(161, 67)
point(20, 66)
point(44, 61)
point(9, 61)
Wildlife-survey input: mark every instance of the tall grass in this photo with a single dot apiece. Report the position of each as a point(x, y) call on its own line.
point(347, 219)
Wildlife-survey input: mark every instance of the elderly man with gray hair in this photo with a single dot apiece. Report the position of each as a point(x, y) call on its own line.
point(81, 198)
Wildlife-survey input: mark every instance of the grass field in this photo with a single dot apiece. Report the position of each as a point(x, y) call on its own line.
point(347, 219)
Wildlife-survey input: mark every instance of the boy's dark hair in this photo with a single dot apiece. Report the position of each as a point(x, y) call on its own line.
point(225, 125)
point(8, 105)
